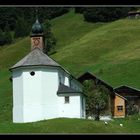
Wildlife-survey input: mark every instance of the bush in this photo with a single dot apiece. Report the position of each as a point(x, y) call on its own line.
point(132, 109)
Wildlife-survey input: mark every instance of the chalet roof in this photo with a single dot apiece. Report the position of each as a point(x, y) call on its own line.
point(35, 58)
point(89, 75)
point(65, 89)
point(120, 96)
point(126, 89)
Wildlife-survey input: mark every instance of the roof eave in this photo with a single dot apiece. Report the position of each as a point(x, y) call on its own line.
point(73, 93)
point(125, 86)
point(120, 96)
point(13, 68)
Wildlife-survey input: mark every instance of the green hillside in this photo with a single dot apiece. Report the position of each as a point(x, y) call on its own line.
point(109, 50)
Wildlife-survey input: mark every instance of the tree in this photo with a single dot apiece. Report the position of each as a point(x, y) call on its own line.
point(22, 28)
point(50, 40)
point(105, 14)
point(11, 15)
point(7, 34)
point(97, 98)
point(5, 37)
point(2, 38)
point(79, 9)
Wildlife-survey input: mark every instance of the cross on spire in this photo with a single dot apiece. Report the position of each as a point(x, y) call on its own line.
point(36, 13)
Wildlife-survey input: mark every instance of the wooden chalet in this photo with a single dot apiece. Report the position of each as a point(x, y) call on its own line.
point(98, 81)
point(120, 97)
point(132, 96)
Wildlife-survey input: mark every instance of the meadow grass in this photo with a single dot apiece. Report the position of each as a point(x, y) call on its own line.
point(74, 126)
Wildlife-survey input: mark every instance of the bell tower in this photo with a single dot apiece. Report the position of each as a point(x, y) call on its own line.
point(37, 36)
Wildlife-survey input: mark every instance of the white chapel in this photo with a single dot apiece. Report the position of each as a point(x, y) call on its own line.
point(43, 89)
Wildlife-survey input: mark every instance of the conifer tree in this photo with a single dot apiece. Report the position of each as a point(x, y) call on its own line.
point(22, 28)
point(2, 38)
point(50, 40)
point(7, 34)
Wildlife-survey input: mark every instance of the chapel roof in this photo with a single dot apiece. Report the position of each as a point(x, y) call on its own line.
point(35, 58)
point(65, 89)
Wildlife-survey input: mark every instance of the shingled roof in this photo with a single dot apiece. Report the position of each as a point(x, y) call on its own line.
point(126, 89)
point(35, 58)
point(65, 89)
point(89, 75)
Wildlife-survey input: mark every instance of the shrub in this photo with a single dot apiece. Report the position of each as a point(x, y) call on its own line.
point(132, 109)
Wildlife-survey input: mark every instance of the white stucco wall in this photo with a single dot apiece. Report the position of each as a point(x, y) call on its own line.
point(50, 84)
point(71, 109)
point(74, 108)
point(17, 96)
point(35, 97)
point(32, 95)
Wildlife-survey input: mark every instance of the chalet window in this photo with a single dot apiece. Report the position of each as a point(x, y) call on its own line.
point(67, 100)
point(120, 108)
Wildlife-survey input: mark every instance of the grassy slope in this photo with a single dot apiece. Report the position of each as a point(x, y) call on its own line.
point(64, 125)
point(71, 27)
point(9, 55)
point(109, 50)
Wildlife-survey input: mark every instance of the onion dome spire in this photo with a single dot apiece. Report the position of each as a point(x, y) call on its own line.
point(37, 27)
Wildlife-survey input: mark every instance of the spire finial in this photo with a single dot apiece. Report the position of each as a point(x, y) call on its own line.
point(36, 13)
point(37, 27)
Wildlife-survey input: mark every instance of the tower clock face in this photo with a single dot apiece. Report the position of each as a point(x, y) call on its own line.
point(36, 41)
